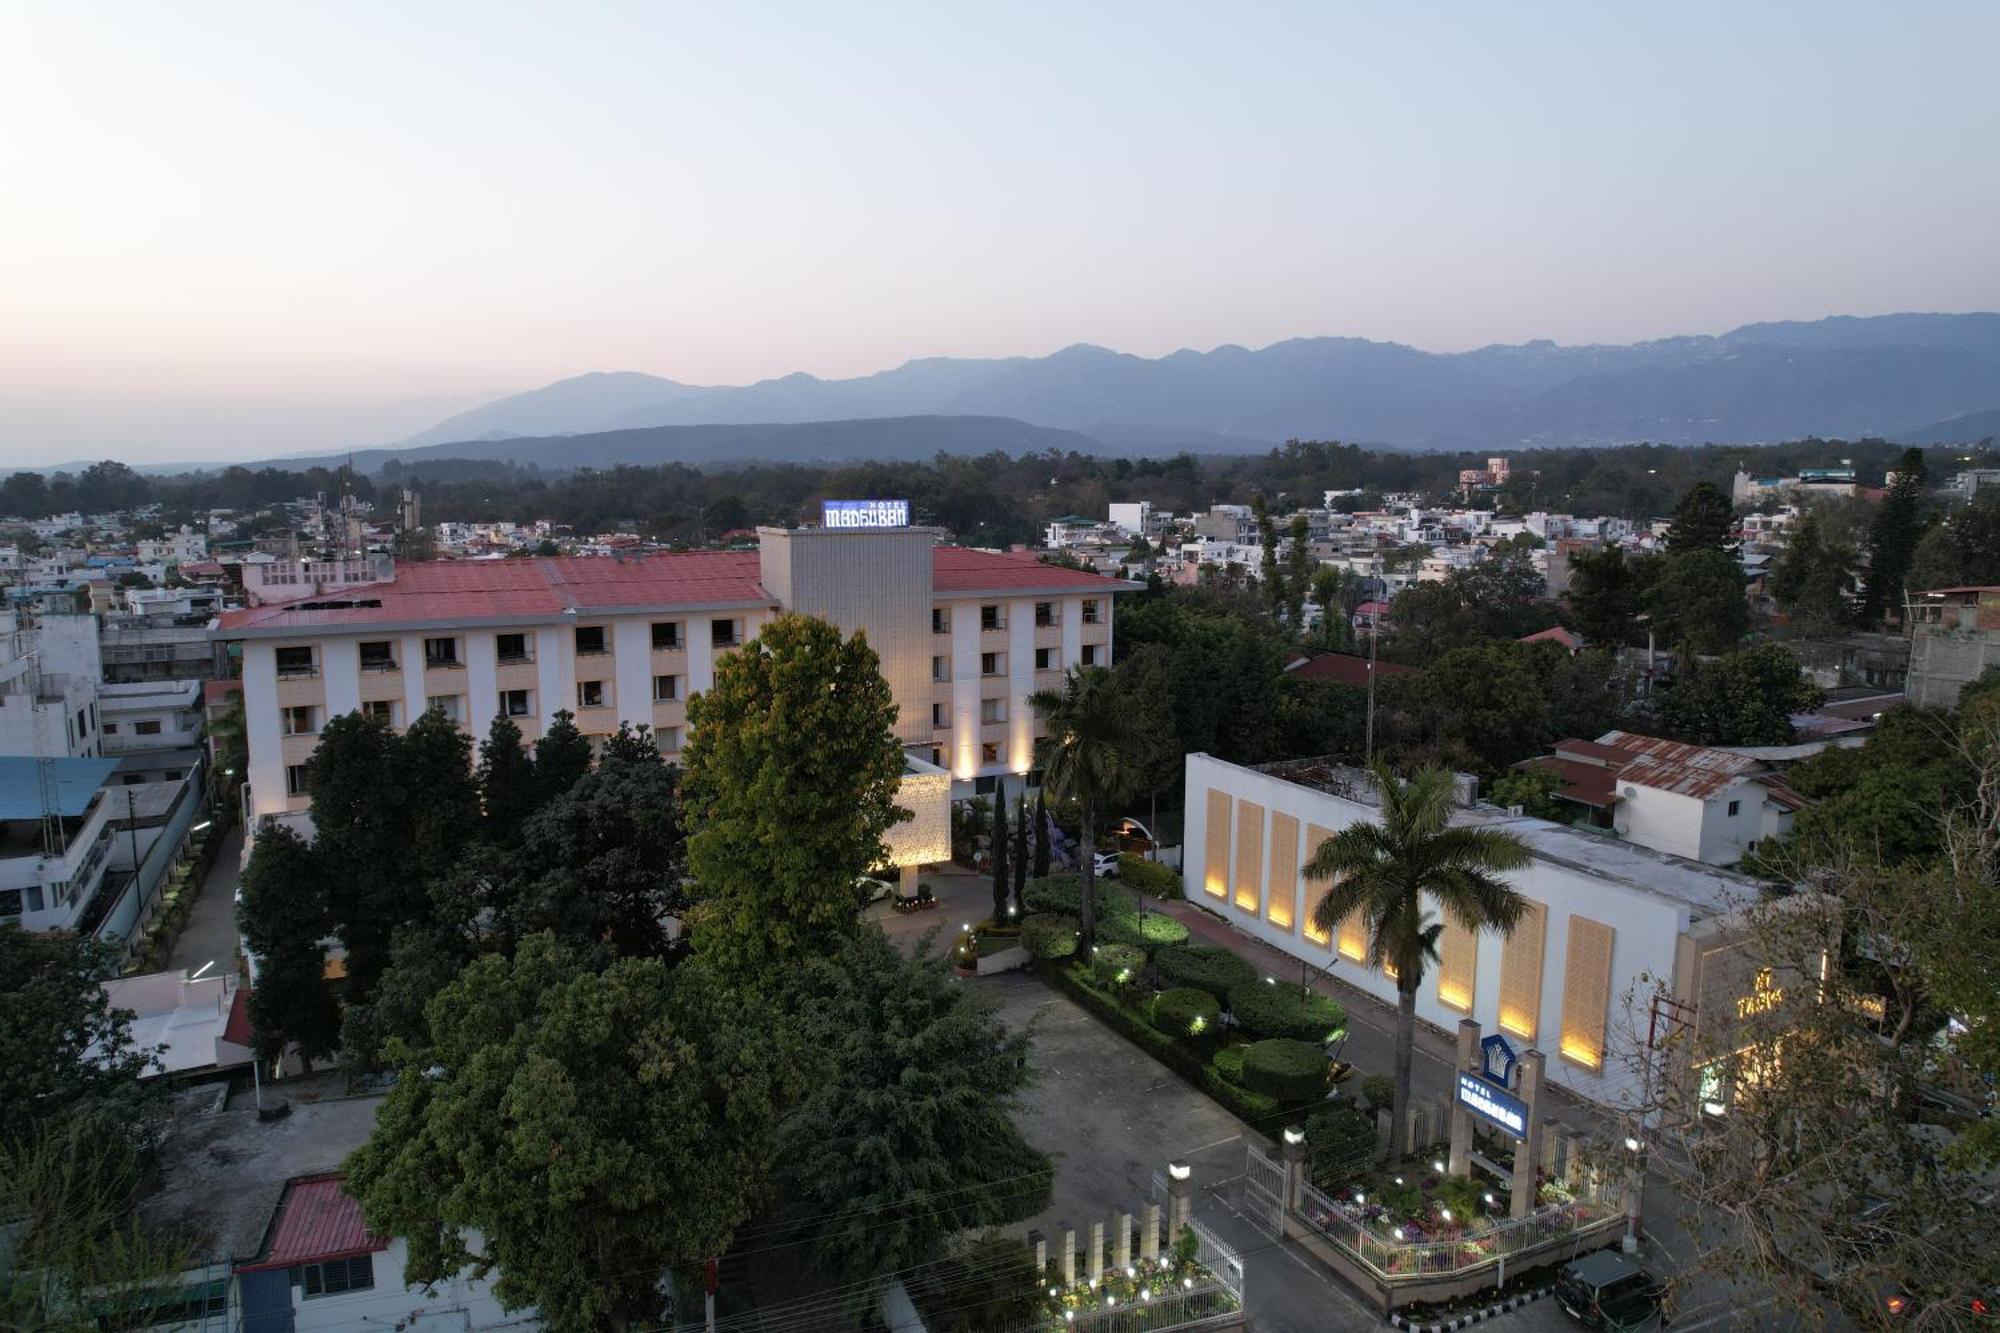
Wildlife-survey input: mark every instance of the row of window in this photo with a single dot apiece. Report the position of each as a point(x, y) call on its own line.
point(991, 710)
point(990, 753)
point(298, 781)
point(993, 615)
point(443, 653)
point(305, 719)
point(1046, 659)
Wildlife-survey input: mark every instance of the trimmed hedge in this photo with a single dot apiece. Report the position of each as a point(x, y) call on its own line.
point(1292, 1072)
point(1285, 1010)
point(1064, 894)
point(1148, 877)
point(1228, 1062)
point(1186, 1014)
point(1148, 930)
point(1118, 964)
point(1187, 1061)
point(1208, 966)
point(1340, 1145)
point(1048, 937)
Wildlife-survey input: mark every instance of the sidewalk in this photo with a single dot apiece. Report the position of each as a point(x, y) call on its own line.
point(210, 933)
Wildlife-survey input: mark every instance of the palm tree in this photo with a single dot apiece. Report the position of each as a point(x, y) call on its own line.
point(1088, 756)
point(1385, 870)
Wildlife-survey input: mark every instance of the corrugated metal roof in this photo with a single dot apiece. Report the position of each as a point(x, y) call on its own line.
point(317, 1220)
point(959, 569)
point(1344, 669)
point(1675, 766)
point(77, 780)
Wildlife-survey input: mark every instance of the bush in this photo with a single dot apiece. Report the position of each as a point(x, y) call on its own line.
point(1293, 1072)
point(1228, 1062)
point(1208, 966)
point(1340, 1145)
point(1148, 877)
point(1285, 1010)
point(1148, 930)
point(1049, 937)
point(1064, 894)
point(1118, 964)
point(1379, 1091)
point(1186, 1013)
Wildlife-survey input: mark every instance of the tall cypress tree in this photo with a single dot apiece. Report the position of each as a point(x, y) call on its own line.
point(507, 785)
point(1892, 539)
point(1041, 836)
point(284, 917)
point(1020, 854)
point(562, 755)
point(1001, 878)
point(1298, 573)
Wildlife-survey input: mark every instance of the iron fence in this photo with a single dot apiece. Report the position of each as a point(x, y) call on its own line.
point(1406, 1260)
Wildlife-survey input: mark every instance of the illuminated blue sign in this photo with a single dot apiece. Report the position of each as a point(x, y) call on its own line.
point(865, 513)
point(1496, 1060)
point(1487, 1102)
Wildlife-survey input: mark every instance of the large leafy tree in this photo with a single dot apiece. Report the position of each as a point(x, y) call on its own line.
point(1963, 550)
point(285, 920)
point(578, 1131)
point(1207, 661)
point(1698, 600)
point(1704, 520)
point(62, 1046)
point(1893, 537)
point(1607, 591)
point(909, 1135)
point(562, 755)
point(361, 833)
point(1745, 698)
point(508, 788)
point(792, 770)
point(1391, 871)
point(434, 758)
point(1088, 755)
point(1811, 582)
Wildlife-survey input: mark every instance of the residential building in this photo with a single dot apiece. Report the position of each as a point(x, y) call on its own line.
point(161, 646)
point(965, 636)
point(156, 715)
point(49, 671)
point(1954, 636)
point(1133, 518)
point(198, 1023)
point(1605, 920)
point(56, 834)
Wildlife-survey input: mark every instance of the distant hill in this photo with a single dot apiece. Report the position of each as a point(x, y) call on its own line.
point(1968, 429)
point(890, 439)
point(1843, 376)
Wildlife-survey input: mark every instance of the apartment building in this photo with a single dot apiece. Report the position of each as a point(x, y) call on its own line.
point(965, 636)
point(1608, 925)
point(49, 674)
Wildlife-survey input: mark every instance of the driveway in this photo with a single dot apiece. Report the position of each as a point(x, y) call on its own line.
point(210, 933)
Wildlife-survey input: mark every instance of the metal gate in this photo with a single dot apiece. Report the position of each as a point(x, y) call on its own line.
point(1264, 1191)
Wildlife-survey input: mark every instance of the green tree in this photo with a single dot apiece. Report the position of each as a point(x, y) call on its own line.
point(1271, 576)
point(1606, 593)
point(632, 745)
point(1041, 836)
point(908, 1136)
point(1963, 551)
point(1088, 756)
point(1298, 572)
point(1533, 789)
point(285, 920)
point(562, 755)
point(62, 1046)
point(1745, 698)
point(1505, 596)
point(1811, 580)
point(792, 771)
point(1892, 539)
point(1428, 619)
point(361, 837)
point(509, 790)
point(423, 960)
point(594, 1129)
point(1385, 870)
point(1021, 854)
point(1002, 877)
point(434, 760)
point(603, 865)
point(1698, 601)
point(1704, 520)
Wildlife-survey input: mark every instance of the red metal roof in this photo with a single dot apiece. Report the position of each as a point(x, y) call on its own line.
point(1590, 751)
point(1689, 770)
point(236, 1029)
point(216, 692)
point(317, 1220)
point(1345, 669)
point(959, 569)
point(1555, 634)
point(1586, 784)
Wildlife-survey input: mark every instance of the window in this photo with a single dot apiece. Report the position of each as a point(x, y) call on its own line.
point(296, 662)
point(666, 635)
point(514, 703)
point(985, 786)
point(937, 756)
point(446, 704)
point(1090, 610)
point(992, 752)
point(111, 728)
point(940, 620)
point(590, 694)
point(940, 715)
point(299, 721)
point(993, 664)
point(1045, 613)
point(1090, 655)
point(378, 656)
point(34, 892)
point(669, 739)
point(589, 639)
point(295, 780)
point(440, 653)
point(940, 668)
point(511, 647)
point(722, 633)
point(149, 727)
point(1045, 659)
point(338, 1275)
point(1734, 806)
point(665, 688)
point(992, 710)
point(379, 710)
point(990, 618)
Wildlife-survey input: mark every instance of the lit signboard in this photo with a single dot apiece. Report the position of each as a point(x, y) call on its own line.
point(1497, 1060)
point(865, 513)
point(1484, 1100)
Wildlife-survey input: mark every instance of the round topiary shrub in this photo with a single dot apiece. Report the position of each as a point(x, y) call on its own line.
point(1286, 1009)
point(1157, 929)
point(1048, 937)
point(1291, 1071)
point(1186, 1014)
point(1378, 1091)
point(1117, 964)
point(1064, 893)
point(1148, 877)
point(1207, 966)
point(1228, 1062)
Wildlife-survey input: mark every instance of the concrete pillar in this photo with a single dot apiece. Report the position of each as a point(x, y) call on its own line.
point(1121, 1244)
point(1294, 1156)
point(1149, 1234)
point(1461, 1119)
point(1180, 1200)
point(1385, 1134)
point(1530, 1152)
point(1094, 1261)
point(1068, 1232)
point(1039, 1244)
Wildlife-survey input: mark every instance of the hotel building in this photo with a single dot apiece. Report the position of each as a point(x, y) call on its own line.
point(964, 637)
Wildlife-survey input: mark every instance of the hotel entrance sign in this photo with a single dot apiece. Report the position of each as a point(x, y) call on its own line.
point(1487, 1102)
point(865, 513)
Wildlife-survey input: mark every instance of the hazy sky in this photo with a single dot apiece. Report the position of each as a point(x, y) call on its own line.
point(244, 230)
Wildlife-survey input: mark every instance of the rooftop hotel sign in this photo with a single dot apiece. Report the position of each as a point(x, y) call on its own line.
point(865, 513)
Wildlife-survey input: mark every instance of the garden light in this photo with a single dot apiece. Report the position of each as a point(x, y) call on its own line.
point(1438, 1167)
point(1109, 1300)
point(1069, 1316)
point(1294, 1135)
point(1399, 1180)
point(1179, 1170)
point(1445, 1213)
point(1145, 1293)
point(1131, 1272)
point(1270, 981)
point(1489, 1201)
point(1052, 1291)
point(1187, 1283)
point(1631, 1144)
point(1359, 1197)
point(1398, 1233)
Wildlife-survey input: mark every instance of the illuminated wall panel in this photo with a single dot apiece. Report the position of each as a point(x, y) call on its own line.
point(1521, 974)
point(1249, 857)
point(1215, 867)
point(1458, 965)
point(1282, 908)
point(1315, 888)
point(1586, 991)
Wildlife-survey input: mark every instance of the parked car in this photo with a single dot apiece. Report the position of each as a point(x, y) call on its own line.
point(871, 890)
point(1107, 865)
point(1607, 1290)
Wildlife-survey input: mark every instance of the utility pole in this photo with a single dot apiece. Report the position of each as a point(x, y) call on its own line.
point(1374, 637)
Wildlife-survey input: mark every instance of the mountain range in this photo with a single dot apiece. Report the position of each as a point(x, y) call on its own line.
point(1845, 376)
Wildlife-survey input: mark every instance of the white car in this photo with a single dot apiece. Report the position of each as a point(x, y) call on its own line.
point(871, 890)
point(1107, 865)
